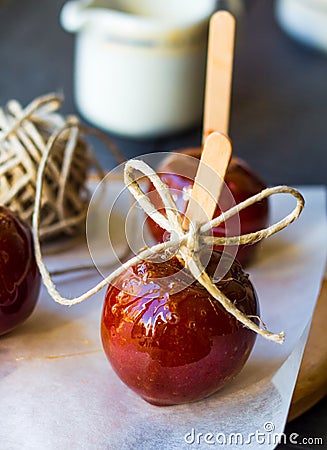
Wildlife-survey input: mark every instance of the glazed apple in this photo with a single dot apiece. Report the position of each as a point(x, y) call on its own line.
point(174, 346)
point(19, 276)
point(241, 183)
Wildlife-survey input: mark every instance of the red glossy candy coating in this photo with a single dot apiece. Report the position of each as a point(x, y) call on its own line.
point(176, 347)
point(19, 276)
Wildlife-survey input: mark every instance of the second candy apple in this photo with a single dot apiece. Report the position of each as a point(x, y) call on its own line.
point(178, 172)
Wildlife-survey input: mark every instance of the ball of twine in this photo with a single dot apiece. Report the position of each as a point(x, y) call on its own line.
point(25, 135)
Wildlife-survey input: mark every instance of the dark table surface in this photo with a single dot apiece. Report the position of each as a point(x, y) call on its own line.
point(278, 117)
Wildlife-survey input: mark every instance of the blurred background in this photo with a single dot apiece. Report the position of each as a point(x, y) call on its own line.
point(279, 97)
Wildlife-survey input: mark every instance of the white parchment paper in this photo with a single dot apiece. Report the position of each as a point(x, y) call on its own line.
point(57, 390)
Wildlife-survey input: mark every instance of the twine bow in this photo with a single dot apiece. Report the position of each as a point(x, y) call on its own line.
point(185, 243)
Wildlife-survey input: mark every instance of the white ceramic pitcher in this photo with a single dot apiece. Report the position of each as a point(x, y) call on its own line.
point(304, 20)
point(139, 64)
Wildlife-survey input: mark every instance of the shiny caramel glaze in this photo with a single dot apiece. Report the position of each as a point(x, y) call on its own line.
point(168, 339)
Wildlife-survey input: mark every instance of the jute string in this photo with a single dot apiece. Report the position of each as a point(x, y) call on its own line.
point(25, 134)
point(186, 243)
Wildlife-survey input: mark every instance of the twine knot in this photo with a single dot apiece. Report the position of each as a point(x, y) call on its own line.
point(194, 238)
point(186, 243)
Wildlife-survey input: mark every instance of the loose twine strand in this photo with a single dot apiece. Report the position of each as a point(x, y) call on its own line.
point(185, 243)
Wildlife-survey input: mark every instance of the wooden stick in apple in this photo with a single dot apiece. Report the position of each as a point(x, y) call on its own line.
point(217, 148)
point(179, 172)
point(219, 74)
point(209, 179)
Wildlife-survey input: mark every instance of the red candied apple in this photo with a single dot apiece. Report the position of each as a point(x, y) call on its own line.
point(174, 346)
point(19, 276)
point(241, 183)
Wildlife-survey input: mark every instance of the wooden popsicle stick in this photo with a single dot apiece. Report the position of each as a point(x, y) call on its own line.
point(219, 74)
point(209, 179)
point(217, 149)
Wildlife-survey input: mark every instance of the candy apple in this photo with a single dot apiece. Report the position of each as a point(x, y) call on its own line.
point(168, 339)
point(19, 276)
point(178, 172)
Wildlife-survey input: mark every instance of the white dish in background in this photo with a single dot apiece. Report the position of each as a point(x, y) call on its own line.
point(140, 65)
point(304, 20)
